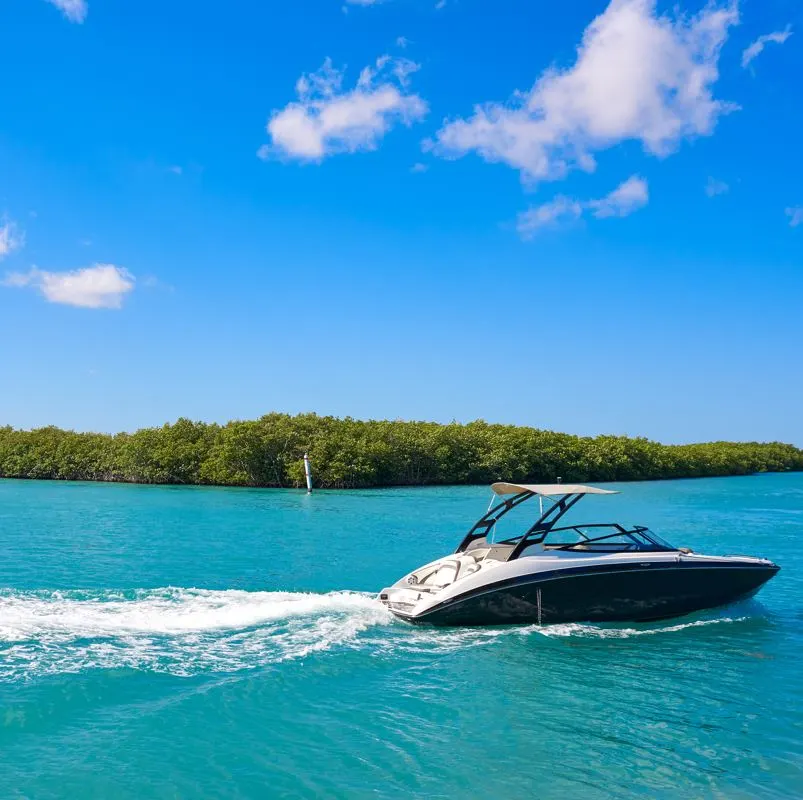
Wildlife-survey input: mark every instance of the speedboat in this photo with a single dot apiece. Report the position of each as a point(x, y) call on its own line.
point(602, 572)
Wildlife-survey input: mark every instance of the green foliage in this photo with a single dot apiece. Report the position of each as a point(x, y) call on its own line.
point(349, 453)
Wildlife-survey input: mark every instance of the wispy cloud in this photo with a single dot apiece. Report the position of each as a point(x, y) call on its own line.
point(560, 210)
point(326, 119)
point(638, 76)
point(713, 187)
point(795, 216)
point(74, 10)
point(626, 198)
point(419, 167)
point(629, 196)
point(10, 239)
point(98, 286)
point(753, 50)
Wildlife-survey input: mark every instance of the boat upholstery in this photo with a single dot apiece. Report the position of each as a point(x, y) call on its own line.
point(452, 569)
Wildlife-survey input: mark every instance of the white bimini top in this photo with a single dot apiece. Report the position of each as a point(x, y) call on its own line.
point(548, 489)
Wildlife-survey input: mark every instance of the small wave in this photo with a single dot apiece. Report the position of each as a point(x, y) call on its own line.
point(442, 641)
point(597, 631)
point(179, 631)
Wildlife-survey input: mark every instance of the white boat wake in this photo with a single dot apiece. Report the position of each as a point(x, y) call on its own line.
point(179, 631)
point(192, 631)
point(609, 632)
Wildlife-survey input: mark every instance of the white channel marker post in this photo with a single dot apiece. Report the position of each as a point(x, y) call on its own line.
point(308, 473)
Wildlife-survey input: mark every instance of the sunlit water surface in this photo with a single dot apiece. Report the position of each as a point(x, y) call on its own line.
point(198, 642)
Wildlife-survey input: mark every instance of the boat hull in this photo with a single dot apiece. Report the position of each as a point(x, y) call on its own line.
point(638, 593)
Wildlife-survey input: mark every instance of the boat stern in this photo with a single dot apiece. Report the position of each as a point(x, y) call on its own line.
point(420, 590)
point(404, 602)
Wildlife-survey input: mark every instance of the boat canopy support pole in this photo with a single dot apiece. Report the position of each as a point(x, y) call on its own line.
point(483, 526)
point(545, 523)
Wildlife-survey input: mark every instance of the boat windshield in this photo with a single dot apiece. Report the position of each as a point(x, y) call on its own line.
point(599, 538)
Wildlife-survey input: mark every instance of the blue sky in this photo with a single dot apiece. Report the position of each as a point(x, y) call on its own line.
point(585, 217)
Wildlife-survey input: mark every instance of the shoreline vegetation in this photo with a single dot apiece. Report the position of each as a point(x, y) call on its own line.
point(350, 454)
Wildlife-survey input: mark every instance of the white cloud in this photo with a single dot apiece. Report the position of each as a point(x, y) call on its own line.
point(98, 286)
point(402, 41)
point(795, 216)
point(419, 167)
point(561, 209)
point(10, 239)
point(176, 169)
point(629, 196)
point(714, 187)
point(327, 120)
point(74, 10)
point(779, 37)
point(638, 76)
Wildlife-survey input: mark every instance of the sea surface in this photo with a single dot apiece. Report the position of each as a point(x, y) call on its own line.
point(185, 642)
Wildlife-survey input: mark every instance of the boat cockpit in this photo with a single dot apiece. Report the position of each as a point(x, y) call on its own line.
point(479, 550)
point(598, 537)
point(544, 536)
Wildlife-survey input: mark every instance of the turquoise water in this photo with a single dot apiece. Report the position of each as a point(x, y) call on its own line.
point(198, 642)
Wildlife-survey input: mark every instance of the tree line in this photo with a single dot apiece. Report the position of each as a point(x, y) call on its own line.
point(349, 453)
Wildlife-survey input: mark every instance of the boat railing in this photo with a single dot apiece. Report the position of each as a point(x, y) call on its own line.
point(639, 537)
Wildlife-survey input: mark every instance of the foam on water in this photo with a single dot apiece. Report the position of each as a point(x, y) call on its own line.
point(180, 631)
point(188, 631)
point(76, 614)
point(605, 632)
point(437, 641)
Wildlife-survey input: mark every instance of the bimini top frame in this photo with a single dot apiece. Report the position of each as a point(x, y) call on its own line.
point(516, 493)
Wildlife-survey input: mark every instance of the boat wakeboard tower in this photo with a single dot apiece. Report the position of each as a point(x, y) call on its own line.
point(599, 572)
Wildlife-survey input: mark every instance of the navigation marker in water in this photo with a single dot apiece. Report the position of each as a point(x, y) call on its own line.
point(308, 473)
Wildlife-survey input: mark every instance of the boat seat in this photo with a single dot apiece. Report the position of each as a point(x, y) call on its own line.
point(451, 570)
point(499, 552)
point(469, 569)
